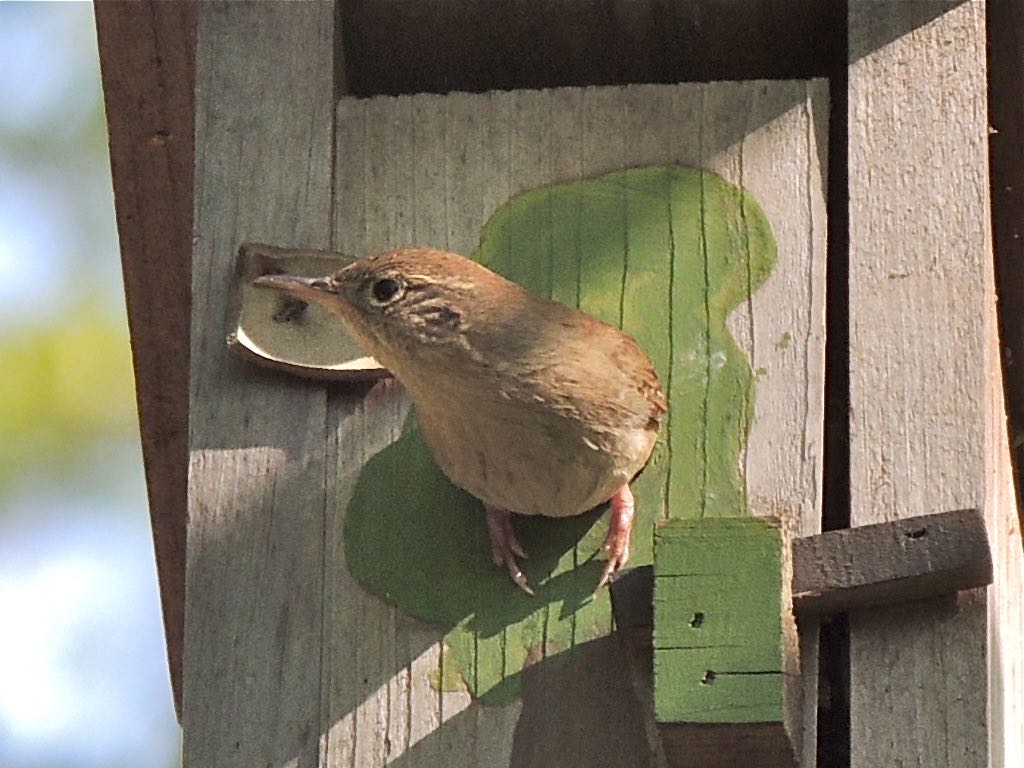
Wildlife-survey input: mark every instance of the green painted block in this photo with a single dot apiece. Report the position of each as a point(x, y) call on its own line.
point(738, 614)
point(718, 632)
point(715, 686)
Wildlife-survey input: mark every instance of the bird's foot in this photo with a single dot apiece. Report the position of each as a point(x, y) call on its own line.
point(616, 543)
point(505, 546)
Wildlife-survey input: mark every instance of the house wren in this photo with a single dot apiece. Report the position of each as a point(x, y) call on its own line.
point(533, 407)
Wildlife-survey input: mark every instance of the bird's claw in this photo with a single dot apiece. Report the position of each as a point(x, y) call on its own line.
point(616, 543)
point(505, 547)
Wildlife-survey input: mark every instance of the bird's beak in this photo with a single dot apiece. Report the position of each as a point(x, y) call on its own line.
point(318, 289)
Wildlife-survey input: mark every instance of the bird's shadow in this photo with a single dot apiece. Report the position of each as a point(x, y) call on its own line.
point(417, 541)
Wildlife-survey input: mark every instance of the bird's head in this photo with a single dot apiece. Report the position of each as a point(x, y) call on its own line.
point(404, 304)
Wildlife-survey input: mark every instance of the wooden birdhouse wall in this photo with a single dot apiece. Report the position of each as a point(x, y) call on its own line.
point(870, 346)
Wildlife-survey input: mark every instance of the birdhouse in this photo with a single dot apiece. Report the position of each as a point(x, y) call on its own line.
point(787, 209)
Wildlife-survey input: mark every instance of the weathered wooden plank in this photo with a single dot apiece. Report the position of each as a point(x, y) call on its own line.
point(147, 57)
point(781, 325)
point(1006, 613)
point(1005, 354)
point(1006, 114)
point(471, 154)
point(257, 453)
point(883, 563)
point(920, 250)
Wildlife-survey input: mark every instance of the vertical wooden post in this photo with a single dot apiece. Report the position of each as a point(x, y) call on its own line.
point(1006, 114)
point(147, 57)
point(925, 431)
point(254, 592)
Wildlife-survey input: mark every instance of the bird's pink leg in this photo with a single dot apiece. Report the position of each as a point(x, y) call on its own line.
point(505, 546)
point(616, 543)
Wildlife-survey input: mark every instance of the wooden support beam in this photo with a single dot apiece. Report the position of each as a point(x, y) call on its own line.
point(1005, 27)
point(925, 405)
point(254, 630)
point(892, 562)
point(147, 59)
point(932, 556)
point(857, 568)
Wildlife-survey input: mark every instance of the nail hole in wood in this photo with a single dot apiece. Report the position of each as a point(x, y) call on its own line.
point(708, 679)
point(697, 620)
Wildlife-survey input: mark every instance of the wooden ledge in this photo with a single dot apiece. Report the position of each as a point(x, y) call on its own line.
point(855, 568)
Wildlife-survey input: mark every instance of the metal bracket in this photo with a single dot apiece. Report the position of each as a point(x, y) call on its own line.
point(289, 335)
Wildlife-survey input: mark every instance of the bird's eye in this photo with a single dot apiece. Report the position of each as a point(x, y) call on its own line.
point(385, 289)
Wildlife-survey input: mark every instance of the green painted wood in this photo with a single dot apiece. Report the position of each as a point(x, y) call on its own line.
point(664, 252)
point(718, 635)
point(687, 692)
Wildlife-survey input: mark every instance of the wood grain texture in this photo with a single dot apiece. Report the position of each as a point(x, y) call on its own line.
point(147, 59)
point(1006, 114)
point(920, 250)
point(884, 563)
point(254, 585)
point(430, 170)
point(1006, 606)
point(782, 326)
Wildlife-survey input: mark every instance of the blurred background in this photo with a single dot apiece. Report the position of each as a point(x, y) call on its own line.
point(83, 673)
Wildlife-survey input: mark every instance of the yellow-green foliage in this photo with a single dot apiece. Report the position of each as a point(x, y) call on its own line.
point(65, 388)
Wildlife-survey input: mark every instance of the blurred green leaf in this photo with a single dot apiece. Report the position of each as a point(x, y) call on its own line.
point(66, 388)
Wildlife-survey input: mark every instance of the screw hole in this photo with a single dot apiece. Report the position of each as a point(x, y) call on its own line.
point(708, 679)
point(697, 620)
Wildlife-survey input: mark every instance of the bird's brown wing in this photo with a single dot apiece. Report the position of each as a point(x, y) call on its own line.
point(584, 369)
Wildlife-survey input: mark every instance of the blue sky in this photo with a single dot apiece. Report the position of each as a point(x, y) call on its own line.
point(83, 677)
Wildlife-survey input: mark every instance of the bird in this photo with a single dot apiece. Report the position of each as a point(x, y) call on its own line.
point(532, 406)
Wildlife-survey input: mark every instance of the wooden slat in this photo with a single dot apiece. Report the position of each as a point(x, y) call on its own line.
point(920, 251)
point(254, 619)
point(1006, 114)
point(781, 326)
point(884, 563)
point(1005, 344)
point(1006, 613)
point(448, 163)
point(147, 57)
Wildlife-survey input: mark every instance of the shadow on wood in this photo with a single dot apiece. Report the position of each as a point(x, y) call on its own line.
point(571, 713)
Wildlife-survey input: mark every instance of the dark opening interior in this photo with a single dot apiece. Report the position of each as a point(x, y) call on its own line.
point(410, 46)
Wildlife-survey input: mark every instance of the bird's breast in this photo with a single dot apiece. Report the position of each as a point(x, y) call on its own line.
point(530, 460)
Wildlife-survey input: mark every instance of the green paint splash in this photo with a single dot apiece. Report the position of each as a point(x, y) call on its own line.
point(663, 252)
